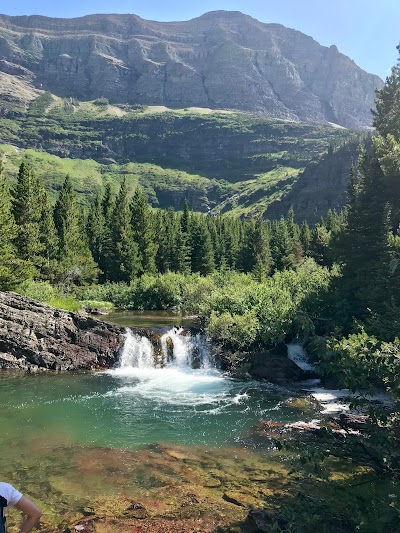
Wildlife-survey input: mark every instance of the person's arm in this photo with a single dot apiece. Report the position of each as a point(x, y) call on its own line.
point(32, 512)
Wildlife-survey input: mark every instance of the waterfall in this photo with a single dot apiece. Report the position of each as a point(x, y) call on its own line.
point(185, 350)
point(179, 349)
point(297, 354)
point(137, 352)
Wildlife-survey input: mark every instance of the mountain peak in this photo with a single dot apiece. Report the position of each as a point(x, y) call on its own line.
point(222, 59)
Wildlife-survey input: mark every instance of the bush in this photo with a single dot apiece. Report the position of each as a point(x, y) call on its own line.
point(234, 332)
point(362, 362)
point(37, 290)
point(156, 292)
point(116, 293)
point(101, 102)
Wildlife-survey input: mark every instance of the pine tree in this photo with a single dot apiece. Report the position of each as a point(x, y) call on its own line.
point(294, 234)
point(27, 210)
point(387, 104)
point(164, 226)
point(202, 257)
point(364, 243)
point(107, 204)
point(143, 228)
point(320, 243)
point(76, 262)
point(125, 259)
point(281, 245)
point(185, 218)
point(181, 262)
point(105, 245)
point(13, 270)
point(305, 238)
point(255, 255)
point(232, 241)
point(48, 238)
point(95, 229)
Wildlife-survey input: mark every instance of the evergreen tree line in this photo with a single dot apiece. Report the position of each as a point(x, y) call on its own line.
point(119, 238)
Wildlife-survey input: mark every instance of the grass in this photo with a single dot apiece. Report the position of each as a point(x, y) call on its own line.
point(90, 177)
point(216, 159)
point(253, 196)
point(96, 304)
point(67, 303)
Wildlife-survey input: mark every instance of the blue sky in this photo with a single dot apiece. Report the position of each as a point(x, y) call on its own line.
point(365, 30)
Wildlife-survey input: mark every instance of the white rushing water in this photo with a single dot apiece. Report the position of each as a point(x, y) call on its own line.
point(188, 351)
point(137, 352)
point(178, 350)
point(297, 354)
point(185, 376)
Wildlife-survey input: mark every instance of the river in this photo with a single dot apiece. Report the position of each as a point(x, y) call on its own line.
point(74, 439)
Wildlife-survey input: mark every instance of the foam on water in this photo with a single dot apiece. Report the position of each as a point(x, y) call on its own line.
point(177, 383)
point(339, 400)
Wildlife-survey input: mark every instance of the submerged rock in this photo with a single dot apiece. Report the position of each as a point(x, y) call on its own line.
point(260, 521)
point(34, 335)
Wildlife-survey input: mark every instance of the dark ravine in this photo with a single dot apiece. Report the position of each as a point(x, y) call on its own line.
point(34, 335)
point(223, 59)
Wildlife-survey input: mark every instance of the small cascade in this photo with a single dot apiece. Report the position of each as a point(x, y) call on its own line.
point(137, 352)
point(179, 349)
point(183, 350)
point(297, 354)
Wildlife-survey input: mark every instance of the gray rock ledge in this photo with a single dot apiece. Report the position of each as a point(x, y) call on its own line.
point(35, 336)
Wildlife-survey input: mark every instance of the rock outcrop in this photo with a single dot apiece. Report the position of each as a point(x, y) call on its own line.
point(34, 335)
point(219, 60)
point(321, 186)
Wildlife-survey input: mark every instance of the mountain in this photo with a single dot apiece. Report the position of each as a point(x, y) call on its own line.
point(221, 60)
point(224, 161)
point(321, 186)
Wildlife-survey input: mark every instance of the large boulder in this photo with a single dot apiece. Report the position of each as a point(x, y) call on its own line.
point(275, 366)
point(34, 335)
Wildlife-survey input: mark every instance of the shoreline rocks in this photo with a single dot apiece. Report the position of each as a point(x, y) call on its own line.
point(36, 336)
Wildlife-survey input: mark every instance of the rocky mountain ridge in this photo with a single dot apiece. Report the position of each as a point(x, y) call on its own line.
point(219, 60)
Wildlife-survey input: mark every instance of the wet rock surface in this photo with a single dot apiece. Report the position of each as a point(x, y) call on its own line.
point(36, 336)
point(162, 488)
point(274, 366)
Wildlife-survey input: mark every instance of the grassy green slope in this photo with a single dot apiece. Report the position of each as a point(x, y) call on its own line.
point(90, 177)
point(217, 159)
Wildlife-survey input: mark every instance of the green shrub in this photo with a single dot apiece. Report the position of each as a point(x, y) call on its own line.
point(37, 290)
point(235, 332)
point(155, 292)
point(116, 293)
point(101, 102)
point(197, 294)
point(362, 362)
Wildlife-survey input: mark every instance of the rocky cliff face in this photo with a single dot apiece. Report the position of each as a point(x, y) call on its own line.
point(219, 60)
point(322, 185)
point(33, 335)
